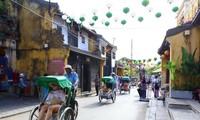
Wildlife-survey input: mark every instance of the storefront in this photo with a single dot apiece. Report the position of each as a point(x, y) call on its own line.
point(87, 66)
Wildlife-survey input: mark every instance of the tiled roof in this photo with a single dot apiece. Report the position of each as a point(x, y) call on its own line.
point(45, 3)
point(87, 53)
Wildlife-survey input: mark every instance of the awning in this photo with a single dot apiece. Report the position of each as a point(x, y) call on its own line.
point(75, 49)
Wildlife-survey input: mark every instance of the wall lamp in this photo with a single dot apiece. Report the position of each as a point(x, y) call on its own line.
point(186, 34)
point(46, 45)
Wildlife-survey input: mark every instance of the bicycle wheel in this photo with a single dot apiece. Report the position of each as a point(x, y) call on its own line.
point(34, 113)
point(113, 96)
point(67, 114)
point(76, 110)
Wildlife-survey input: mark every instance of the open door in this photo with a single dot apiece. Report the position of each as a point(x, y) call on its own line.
point(86, 77)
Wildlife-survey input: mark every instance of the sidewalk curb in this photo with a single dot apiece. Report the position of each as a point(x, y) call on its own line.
point(15, 112)
point(150, 115)
point(29, 108)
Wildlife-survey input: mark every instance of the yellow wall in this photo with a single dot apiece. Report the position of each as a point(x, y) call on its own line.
point(34, 33)
point(187, 12)
point(102, 63)
point(176, 42)
point(164, 71)
point(91, 44)
point(31, 52)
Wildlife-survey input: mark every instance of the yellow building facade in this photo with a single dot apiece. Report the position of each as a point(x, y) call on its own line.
point(187, 35)
point(41, 49)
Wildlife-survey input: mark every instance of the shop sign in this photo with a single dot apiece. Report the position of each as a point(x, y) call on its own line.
point(55, 67)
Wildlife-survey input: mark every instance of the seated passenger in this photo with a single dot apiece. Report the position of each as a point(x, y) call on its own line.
point(124, 85)
point(107, 90)
point(53, 102)
point(109, 85)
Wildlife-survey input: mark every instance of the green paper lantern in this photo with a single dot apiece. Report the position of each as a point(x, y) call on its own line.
point(158, 14)
point(109, 14)
point(140, 19)
point(145, 3)
point(175, 9)
point(107, 23)
point(123, 22)
point(82, 19)
point(95, 18)
point(126, 10)
point(92, 24)
point(71, 19)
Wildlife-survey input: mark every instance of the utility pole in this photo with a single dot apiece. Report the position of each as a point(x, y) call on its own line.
point(131, 56)
point(114, 40)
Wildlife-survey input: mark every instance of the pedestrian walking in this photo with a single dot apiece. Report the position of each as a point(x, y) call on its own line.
point(15, 76)
point(36, 94)
point(97, 83)
point(156, 87)
point(152, 82)
point(21, 85)
point(9, 72)
point(143, 87)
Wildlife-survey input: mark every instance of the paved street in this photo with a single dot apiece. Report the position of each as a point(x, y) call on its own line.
point(126, 107)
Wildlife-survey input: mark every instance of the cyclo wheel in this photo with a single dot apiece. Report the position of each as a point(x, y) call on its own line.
point(34, 114)
point(76, 110)
point(113, 96)
point(67, 114)
point(129, 89)
point(100, 95)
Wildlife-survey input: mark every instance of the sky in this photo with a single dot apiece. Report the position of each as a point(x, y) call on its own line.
point(146, 36)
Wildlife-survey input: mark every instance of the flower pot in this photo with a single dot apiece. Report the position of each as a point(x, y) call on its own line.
point(181, 94)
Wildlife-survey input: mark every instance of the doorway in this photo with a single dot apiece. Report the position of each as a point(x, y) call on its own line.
point(86, 77)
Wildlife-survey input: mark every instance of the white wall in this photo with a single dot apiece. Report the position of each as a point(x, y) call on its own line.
point(65, 33)
point(104, 44)
point(59, 22)
point(83, 46)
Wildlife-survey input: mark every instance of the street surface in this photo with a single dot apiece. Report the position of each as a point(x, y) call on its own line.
point(126, 107)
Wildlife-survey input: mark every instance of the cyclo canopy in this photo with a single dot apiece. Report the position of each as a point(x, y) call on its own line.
point(106, 79)
point(62, 81)
point(126, 79)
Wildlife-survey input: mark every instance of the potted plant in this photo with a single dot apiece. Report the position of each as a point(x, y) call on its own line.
point(188, 77)
point(3, 8)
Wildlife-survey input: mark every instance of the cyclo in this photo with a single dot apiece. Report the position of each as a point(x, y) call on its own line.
point(68, 110)
point(108, 91)
point(125, 84)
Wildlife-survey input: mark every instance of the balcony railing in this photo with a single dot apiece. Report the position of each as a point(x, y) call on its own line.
point(72, 39)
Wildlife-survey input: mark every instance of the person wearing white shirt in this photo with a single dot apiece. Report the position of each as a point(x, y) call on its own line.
point(152, 78)
point(53, 102)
